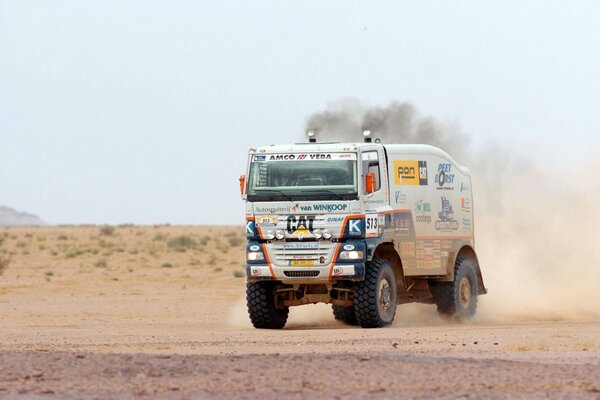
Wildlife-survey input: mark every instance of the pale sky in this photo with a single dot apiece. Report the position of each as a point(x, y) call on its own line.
point(142, 112)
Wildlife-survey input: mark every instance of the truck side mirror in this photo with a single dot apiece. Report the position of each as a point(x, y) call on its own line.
point(242, 184)
point(370, 182)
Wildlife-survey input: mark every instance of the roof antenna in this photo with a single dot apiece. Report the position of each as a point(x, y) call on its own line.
point(367, 135)
point(311, 136)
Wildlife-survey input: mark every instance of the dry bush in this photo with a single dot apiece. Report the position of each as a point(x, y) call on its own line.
point(3, 264)
point(107, 230)
point(182, 243)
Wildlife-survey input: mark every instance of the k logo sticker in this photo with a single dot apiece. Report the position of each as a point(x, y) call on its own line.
point(354, 227)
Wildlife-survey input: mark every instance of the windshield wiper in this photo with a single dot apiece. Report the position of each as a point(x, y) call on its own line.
point(287, 196)
point(339, 196)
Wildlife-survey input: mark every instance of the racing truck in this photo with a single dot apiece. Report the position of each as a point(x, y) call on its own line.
point(361, 226)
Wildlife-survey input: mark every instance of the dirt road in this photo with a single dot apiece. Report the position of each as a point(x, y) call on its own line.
point(103, 316)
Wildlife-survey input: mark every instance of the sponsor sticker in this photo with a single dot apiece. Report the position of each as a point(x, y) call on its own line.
point(423, 212)
point(304, 157)
point(254, 247)
point(446, 221)
point(400, 197)
point(322, 207)
point(343, 270)
point(300, 225)
point(407, 249)
point(348, 247)
point(266, 220)
point(465, 205)
point(444, 176)
point(410, 172)
point(354, 227)
point(295, 246)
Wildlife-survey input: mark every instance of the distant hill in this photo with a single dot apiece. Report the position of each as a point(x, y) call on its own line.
point(11, 217)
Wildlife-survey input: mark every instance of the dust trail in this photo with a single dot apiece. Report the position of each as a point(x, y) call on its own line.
point(537, 229)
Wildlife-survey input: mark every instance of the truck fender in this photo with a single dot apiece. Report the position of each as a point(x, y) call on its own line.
point(387, 251)
point(465, 251)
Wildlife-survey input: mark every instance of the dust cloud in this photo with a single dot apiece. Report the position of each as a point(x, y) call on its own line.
point(536, 227)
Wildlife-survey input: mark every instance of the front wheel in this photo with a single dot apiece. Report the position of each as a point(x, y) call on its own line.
point(458, 299)
point(260, 300)
point(344, 314)
point(375, 297)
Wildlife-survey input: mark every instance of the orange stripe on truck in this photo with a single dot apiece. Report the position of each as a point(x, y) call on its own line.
point(264, 246)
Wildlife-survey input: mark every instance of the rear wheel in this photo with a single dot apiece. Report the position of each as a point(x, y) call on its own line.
point(261, 306)
point(345, 314)
point(458, 299)
point(375, 297)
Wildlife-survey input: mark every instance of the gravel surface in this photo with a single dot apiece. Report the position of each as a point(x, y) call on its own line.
point(378, 375)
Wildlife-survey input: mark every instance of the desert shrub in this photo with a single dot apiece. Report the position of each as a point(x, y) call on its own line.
point(74, 253)
point(182, 243)
point(21, 244)
point(49, 273)
point(101, 263)
point(235, 241)
point(4, 261)
point(239, 274)
point(133, 251)
point(218, 269)
point(167, 265)
point(63, 237)
point(107, 230)
point(160, 237)
point(212, 260)
point(204, 240)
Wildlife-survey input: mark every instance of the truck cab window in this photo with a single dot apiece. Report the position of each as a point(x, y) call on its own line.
point(370, 163)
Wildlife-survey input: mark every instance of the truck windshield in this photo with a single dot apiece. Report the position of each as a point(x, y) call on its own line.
point(279, 177)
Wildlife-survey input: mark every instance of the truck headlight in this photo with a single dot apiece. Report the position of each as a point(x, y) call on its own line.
point(270, 235)
point(255, 255)
point(317, 234)
point(352, 255)
point(326, 234)
point(279, 234)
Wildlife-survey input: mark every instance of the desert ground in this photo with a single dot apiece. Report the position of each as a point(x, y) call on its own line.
point(91, 312)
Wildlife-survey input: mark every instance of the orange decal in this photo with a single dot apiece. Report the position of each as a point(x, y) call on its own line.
point(334, 259)
point(268, 260)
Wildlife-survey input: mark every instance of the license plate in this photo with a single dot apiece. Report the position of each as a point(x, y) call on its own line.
point(302, 263)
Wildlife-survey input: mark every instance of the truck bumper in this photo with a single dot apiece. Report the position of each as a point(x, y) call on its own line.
point(316, 274)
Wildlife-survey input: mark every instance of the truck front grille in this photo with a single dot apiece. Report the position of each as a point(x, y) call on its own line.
point(301, 274)
point(321, 253)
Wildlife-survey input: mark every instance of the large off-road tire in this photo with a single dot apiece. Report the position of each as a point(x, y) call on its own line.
point(458, 299)
point(261, 306)
point(375, 298)
point(345, 314)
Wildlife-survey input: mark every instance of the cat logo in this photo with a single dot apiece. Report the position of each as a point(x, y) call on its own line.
point(301, 232)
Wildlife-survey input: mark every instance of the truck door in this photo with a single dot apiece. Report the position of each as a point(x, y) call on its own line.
point(373, 160)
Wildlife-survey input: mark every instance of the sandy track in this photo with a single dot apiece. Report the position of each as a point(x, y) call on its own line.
point(390, 374)
point(75, 327)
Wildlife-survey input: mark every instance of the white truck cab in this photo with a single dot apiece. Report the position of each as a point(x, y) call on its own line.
point(363, 226)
